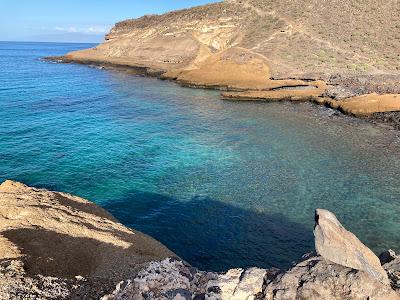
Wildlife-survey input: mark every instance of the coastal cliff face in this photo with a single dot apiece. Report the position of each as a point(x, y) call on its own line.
point(285, 49)
point(57, 246)
point(294, 38)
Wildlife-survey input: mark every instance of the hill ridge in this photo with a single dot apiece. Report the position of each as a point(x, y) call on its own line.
point(354, 46)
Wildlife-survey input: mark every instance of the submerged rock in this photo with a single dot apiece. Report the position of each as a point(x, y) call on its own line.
point(336, 244)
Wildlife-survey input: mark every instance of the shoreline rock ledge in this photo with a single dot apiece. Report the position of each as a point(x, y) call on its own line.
point(57, 246)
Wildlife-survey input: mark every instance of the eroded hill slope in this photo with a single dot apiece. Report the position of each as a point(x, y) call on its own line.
point(353, 46)
point(295, 38)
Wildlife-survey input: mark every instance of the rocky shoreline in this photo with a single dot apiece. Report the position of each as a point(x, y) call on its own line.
point(257, 50)
point(57, 246)
point(347, 97)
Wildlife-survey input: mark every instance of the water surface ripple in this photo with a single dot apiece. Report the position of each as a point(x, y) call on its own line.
point(223, 184)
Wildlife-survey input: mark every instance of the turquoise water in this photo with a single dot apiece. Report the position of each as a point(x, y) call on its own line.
point(222, 184)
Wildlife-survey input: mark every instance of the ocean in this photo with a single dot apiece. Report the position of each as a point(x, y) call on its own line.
point(222, 184)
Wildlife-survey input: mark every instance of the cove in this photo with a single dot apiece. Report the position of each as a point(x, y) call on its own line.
point(222, 184)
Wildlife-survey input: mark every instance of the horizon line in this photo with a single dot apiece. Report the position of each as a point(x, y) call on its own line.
point(54, 42)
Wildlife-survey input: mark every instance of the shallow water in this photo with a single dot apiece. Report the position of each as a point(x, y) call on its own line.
point(222, 184)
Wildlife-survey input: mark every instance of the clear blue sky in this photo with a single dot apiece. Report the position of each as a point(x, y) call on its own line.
point(75, 20)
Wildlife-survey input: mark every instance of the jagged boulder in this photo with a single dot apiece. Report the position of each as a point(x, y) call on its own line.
point(344, 269)
point(237, 284)
point(387, 256)
point(317, 278)
point(174, 279)
point(391, 263)
point(336, 244)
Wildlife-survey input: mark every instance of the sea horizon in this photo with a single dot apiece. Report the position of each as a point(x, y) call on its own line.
point(48, 42)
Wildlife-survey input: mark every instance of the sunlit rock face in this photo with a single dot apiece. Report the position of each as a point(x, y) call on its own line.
point(324, 276)
point(294, 37)
point(57, 246)
point(262, 45)
point(318, 278)
point(174, 279)
point(335, 243)
point(45, 235)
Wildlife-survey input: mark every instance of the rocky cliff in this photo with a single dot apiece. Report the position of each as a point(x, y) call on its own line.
point(58, 246)
point(294, 38)
point(353, 46)
point(55, 245)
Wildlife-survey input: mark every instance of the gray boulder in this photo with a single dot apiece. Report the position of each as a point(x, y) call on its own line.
point(336, 244)
point(317, 278)
point(173, 279)
point(392, 267)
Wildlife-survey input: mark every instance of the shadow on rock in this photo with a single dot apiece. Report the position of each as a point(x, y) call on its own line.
point(87, 207)
point(51, 253)
point(54, 254)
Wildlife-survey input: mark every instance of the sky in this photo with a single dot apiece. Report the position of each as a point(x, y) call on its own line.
point(75, 20)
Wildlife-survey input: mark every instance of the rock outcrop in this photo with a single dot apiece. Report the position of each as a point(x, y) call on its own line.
point(309, 92)
point(392, 267)
point(295, 38)
point(367, 105)
point(318, 278)
point(174, 279)
point(46, 235)
point(336, 244)
point(58, 246)
point(259, 45)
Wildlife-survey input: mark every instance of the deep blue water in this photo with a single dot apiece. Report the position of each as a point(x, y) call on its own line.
point(220, 183)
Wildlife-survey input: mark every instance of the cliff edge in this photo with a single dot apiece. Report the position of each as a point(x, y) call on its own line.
point(288, 50)
point(57, 246)
point(66, 243)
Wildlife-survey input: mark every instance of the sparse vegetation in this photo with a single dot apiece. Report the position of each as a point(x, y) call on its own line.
point(295, 37)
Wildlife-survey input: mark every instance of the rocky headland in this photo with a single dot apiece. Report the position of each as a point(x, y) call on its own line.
point(58, 246)
point(330, 53)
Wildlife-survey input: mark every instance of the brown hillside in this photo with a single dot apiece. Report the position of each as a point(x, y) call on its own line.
point(353, 45)
point(295, 37)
